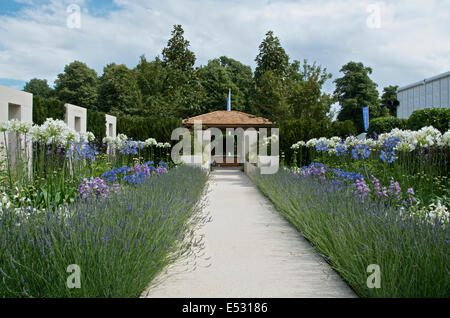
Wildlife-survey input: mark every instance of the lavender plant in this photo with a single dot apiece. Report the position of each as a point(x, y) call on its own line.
point(120, 242)
point(352, 233)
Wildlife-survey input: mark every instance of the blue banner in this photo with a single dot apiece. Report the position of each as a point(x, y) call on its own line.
point(366, 118)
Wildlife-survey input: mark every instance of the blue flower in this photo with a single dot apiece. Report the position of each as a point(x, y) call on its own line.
point(322, 146)
point(341, 150)
point(361, 152)
point(388, 153)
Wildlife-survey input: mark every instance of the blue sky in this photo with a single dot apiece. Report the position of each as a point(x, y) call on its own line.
point(411, 43)
point(96, 7)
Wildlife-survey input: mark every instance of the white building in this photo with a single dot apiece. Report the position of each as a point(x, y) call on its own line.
point(433, 92)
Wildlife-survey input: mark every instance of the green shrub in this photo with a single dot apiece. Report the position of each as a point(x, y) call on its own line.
point(142, 128)
point(382, 125)
point(47, 108)
point(292, 131)
point(96, 123)
point(342, 128)
point(439, 118)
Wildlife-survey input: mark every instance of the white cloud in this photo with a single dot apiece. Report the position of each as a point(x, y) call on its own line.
point(412, 43)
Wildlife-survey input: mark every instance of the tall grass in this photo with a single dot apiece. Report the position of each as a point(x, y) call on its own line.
point(351, 234)
point(119, 243)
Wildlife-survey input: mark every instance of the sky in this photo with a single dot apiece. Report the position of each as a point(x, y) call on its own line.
point(403, 41)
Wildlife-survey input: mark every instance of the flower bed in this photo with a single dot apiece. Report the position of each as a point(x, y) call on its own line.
point(352, 233)
point(120, 241)
point(51, 162)
point(414, 159)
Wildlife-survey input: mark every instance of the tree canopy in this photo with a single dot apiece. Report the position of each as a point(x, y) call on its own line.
point(118, 90)
point(39, 87)
point(78, 85)
point(169, 86)
point(355, 90)
point(389, 98)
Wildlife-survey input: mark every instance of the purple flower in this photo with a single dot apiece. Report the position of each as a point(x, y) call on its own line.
point(160, 170)
point(394, 188)
point(361, 188)
point(91, 188)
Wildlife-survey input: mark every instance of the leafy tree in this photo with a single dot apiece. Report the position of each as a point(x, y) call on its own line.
point(271, 57)
point(389, 98)
point(305, 91)
point(354, 91)
point(39, 87)
point(78, 85)
point(177, 54)
point(270, 98)
point(220, 75)
point(181, 91)
point(118, 90)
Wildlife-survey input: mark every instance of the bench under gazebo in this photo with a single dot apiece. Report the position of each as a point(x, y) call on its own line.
point(222, 120)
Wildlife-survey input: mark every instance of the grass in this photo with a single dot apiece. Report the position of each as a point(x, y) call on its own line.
point(351, 234)
point(119, 243)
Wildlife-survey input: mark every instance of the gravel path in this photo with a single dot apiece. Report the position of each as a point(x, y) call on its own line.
point(249, 251)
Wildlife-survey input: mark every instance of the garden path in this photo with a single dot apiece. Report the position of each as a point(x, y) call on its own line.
point(250, 251)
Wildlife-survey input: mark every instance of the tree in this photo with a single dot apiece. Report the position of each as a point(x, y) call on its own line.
point(271, 57)
point(354, 91)
point(305, 91)
point(78, 85)
point(220, 75)
point(39, 87)
point(270, 98)
point(389, 99)
point(177, 54)
point(242, 76)
point(118, 90)
point(181, 91)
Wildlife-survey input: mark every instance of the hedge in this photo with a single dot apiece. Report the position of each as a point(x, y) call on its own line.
point(439, 118)
point(292, 131)
point(382, 125)
point(142, 128)
point(96, 123)
point(342, 128)
point(47, 108)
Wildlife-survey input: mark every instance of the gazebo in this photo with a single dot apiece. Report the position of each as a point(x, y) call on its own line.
point(223, 119)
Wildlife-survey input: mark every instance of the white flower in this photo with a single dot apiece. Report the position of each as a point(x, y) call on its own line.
point(445, 140)
point(167, 145)
point(439, 211)
point(108, 140)
point(150, 142)
point(312, 142)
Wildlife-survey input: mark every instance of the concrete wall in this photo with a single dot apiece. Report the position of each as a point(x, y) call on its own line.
point(111, 126)
point(76, 117)
point(433, 92)
point(15, 104)
point(111, 131)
